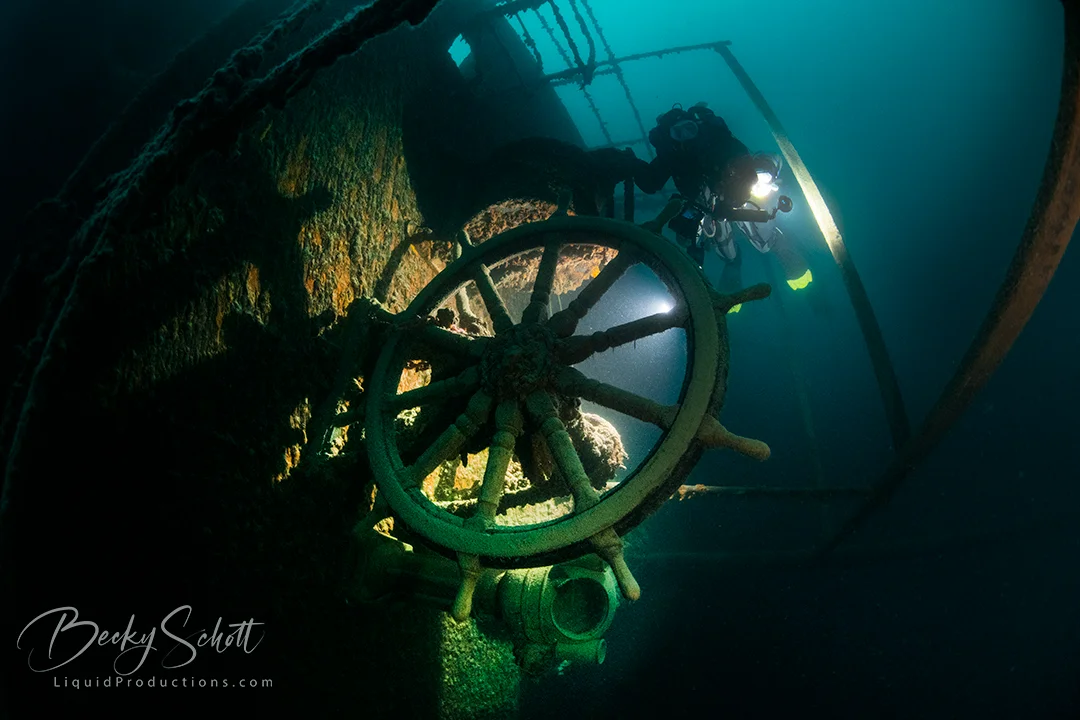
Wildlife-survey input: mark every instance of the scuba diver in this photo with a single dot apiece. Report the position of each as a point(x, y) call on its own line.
point(723, 187)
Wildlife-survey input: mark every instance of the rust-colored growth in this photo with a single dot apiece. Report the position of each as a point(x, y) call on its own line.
point(689, 491)
point(341, 294)
point(370, 493)
point(345, 156)
point(580, 263)
point(300, 417)
point(297, 421)
point(292, 459)
point(222, 310)
point(506, 215)
point(419, 264)
point(415, 375)
point(430, 483)
point(229, 295)
point(385, 526)
point(470, 475)
point(253, 285)
point(329, 271)
point(295, 179)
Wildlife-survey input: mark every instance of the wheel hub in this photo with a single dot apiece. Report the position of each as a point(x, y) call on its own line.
point(518, 361)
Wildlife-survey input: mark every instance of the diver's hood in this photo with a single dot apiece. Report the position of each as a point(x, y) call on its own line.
point(684, 131)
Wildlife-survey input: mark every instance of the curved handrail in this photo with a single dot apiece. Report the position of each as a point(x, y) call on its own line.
point(888, 386)
point(1050, 226)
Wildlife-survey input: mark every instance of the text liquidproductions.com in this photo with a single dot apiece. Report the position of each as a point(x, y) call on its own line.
point(116, 681)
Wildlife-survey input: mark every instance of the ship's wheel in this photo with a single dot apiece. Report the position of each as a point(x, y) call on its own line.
point(507, 387)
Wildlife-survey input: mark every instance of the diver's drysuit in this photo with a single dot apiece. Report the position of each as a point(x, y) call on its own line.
point(717, 178)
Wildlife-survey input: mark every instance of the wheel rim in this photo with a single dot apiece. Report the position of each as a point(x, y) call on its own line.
point(511, 545)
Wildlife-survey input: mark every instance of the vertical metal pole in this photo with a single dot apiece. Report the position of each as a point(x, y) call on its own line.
point(864, 311)
point(609, 204)
point(628, 200)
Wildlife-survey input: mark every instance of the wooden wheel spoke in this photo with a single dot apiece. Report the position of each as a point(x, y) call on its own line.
point(451, 342)
point(500, 316)
point(437, 391)
point(542, 409)
point(715, 435)
point(537, 311)
point(578, 348)
point(532, 495)
point(470, 576)
point(609, 546)
point(570, 381)
point(565, 321)
point(508, 425)
point(449, 443)
point(466, 318)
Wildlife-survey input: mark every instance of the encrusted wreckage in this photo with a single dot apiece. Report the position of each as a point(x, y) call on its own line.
point(309, 283)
